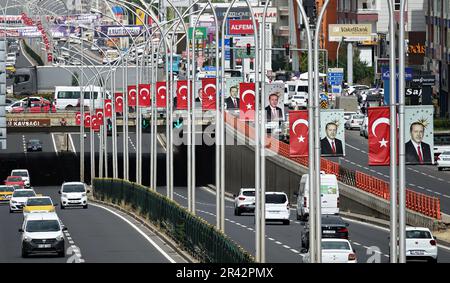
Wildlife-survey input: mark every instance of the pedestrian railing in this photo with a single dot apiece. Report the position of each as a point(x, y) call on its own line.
point(418, 202)
point(201, 239)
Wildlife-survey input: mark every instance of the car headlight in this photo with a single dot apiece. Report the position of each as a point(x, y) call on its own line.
point(60, 238)
point(27, 239)
point(13, 201)
point(83, 194)
point(64, 195)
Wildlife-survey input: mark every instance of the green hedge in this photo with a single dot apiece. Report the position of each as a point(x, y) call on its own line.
point(201, 239)
point(442, 124)
point(33, 54)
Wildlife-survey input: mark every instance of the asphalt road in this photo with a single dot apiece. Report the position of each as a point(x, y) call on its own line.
point(97, 234)
point(424, 179)
point(283, 241)
point(17, 142)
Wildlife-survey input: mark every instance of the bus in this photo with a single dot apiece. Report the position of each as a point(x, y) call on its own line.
point(68, 97)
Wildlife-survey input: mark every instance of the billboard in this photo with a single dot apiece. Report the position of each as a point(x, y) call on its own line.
point(332, 136)
point(274, 102)
point(240, 27)
point(118, 31)
point(419, 134)
point(350, 32)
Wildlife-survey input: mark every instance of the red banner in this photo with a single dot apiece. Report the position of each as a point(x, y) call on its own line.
point(108, 108)
point(144, 95)
point(209, 94)
point(182, 95)
point(299, 129)
point(95, 124)
point(87, 120)
point(241, 27)
point(161, 94)
point(131, 95)
point(99, 115)
point(378, 130)
point(118, 102)
point(247, 101)
point(78, 118)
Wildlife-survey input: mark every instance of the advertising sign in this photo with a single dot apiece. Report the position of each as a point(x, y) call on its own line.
point(118, 31)
point(240, 27)
point(350, 32)
point(28, 123)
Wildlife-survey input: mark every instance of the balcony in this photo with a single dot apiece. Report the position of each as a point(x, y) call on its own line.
point(282, 31)
point(283, 11)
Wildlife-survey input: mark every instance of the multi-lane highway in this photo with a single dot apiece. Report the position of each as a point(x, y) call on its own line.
point(96, 234)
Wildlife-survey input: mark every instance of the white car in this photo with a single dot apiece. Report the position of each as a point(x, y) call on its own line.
point(363, 131)
point(353, 88)
point(420, 244)
point(443, 160)
point(300, 101)
point(347, 115)
point(335, 251)
point(23, 173)
point(19, 199)
point(42, 233)
point(245, 201)
point(73, 194)
point(354, 122)
point(277, 207)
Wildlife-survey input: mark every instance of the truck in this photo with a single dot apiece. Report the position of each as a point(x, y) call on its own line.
point(25, 81)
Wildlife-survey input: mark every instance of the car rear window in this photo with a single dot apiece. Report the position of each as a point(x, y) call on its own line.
point(335, 245)
point(275, 198)
point(417, 234)
point(6, 189)
point(249, 193)
point(335, 220)
point(39, 201)
point(20, 173)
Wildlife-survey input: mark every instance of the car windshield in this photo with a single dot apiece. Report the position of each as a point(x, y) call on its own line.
point(249, 193)
point(39, 201)
point(22, 194)
point(335, 245)
point(14, 179)
point(42, 226)
point(73, 189)
point(302, 88)
point(20, 173)
point(446, 153)
point(5, 189)
point(417, 234)
point(275, 198)
point(358, 117)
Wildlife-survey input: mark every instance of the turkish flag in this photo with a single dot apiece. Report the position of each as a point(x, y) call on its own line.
point(161, 94)
point(378, 130)
point(108, 108)
point(78, 118)
point(87, 120)
point(209, 94)
point(95, 124)
point(144, 95)
point(131, 95)
point(247, 101)
point(99, 115)
point(118, 102)
point(298, 129)
point(182, 95)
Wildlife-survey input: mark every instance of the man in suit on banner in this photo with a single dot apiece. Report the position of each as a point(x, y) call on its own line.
point(232, 102)
point(417, 151)
point(273, 112)
point(330, 145)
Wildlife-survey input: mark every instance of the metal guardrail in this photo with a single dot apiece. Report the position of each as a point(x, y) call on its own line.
point(201, 239)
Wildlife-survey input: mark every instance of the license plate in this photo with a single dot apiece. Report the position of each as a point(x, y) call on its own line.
point(417, 252)
point(44, 246)
point(74, 201)
point(273, 211)
point(329, 232)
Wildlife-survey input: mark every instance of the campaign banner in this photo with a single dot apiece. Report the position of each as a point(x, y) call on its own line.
point(274, 102)
point(11, 19)
point(332, 135)
point(118, 31)
point(298, 133)
point(232, 93)
point(379, 135)
point(419, 135)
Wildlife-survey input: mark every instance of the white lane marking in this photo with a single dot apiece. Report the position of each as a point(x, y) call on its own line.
point(271, 239)
point(24, 144)
point(139, 231)
point(420, 187)
point(356, 243)
point(72, 144)
point(351, 146)
point(438, 193)
point(359, 165)
point(295, 251)
point(54, 144)
point(286, 246)
point(250, 229)
point(277, 242)
point(159, 138)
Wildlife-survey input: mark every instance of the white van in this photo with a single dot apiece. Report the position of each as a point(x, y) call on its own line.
point(298, 93)
point(68, 97)
point(277, 207)
point(329, 190)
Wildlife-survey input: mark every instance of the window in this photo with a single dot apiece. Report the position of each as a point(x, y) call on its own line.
point(249, 193)
point(21, 79)
point(275, 198)
point(335, 245)
point(416, 234)
point(397, 5)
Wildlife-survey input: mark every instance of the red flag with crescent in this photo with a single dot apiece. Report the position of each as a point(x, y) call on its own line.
point(99, 115)
point(131, 90)
point(379, 135)
point(118, 102)
point(209, 94)
point(182, 95)
point(299, 130)
point(108, 108)
point(247, 101)
point(161, 94)
point(87, 120)
point(78, 118)
point(144, 95)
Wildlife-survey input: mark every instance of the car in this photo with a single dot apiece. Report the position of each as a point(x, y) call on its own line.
point(364, 129)
point(6, 193)
point(298, 101)
point(347, 115)
point(73, 194)
point(277, 207)
point(333, 226)
point(34, 145)
point(42, 233)
point(24, 174)
point(354, 122)
point(15, 180)
point(355, 88)
point(421, 244)
point(19, 199)
point(244, 201)
point(443, 160)
point(16, 107)
point(335, 251)
point(38, 204)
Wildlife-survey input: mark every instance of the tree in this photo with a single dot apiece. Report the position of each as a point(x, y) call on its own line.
point(362, 73)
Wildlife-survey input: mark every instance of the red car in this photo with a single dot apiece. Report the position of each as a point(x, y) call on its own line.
point(43, 106)
point(15, 181)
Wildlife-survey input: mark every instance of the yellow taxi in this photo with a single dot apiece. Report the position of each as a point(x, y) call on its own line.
point(6, 193)
point(11, 68)
point(38, 205)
